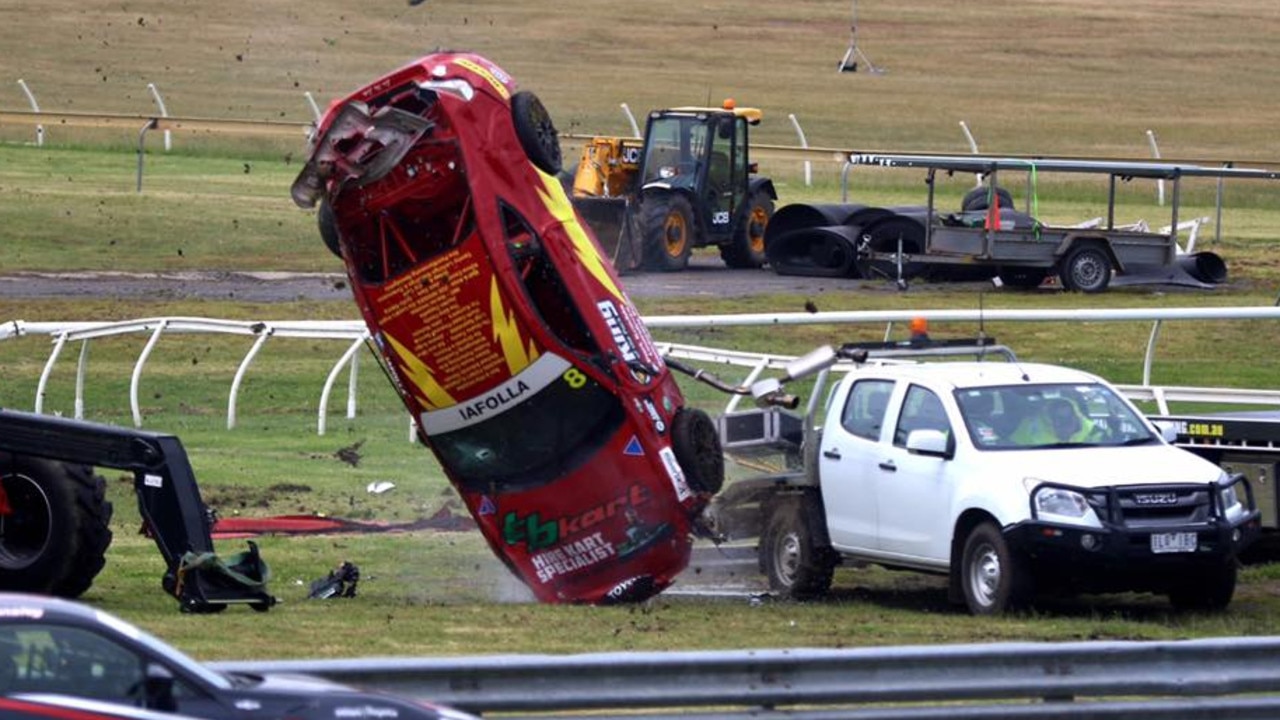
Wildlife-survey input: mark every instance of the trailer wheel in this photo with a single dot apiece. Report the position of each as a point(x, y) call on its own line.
point(41, 537)
point(668, 231)
point(991, 576)
point(1086, 269)
point(797, 565)
point(536, 131)
point(746, 250)
point(696, 443)
point(328, 223)
point(1210, 590)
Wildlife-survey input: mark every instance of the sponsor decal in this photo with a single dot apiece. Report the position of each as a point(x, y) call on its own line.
point(26, 613)
point(152, 481)
point(572, 556)
point(618, 330)
point(633, 447)
point(1203, 429)
point(675, 472)
point(366, 711)
point(488, 76)
point(487, 507)
point(658, 423)
point(539, 534)
point(545, 370)
point(720, 217)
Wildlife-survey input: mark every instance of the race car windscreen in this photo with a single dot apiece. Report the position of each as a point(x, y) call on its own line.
point(1018, 417)
point(533, 442)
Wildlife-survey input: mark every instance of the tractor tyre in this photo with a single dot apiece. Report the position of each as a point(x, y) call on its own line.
point(979, 198)
point(746, 250)
point(536, 131)
point(696, 443)
point(54, 537)
point(668, 231)
point(328, 223)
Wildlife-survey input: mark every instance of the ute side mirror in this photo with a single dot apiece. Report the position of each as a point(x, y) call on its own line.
point(1166, 429)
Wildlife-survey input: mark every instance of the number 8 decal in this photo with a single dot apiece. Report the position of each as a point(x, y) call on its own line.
point(574, 378)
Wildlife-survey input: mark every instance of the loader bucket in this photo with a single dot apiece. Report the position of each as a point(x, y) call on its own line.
point(608, 219)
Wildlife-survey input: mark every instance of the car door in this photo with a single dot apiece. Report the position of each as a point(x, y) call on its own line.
point(846, 461)
point(914, 492)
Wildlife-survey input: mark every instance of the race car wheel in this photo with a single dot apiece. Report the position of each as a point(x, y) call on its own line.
point(668, 231)
point(747, 247)
point(797, 565)
point(1086, 269)
point(536, 131)
point(696, 443)
point(53, 539)
point(991, 576)
point(329, 228)
point(979, 198)
point(1209, 590)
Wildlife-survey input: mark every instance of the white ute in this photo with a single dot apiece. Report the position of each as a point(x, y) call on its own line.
point(1013, 479)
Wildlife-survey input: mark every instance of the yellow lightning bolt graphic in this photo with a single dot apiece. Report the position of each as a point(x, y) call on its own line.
point(430, 394)
point(553, 196)
point(507, 333)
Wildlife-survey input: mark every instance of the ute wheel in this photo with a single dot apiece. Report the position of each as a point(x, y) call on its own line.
point(1209, 590)
point(979, 199)
point(696, 443)
point(797, 565)
point(1087, 269)
point(747, 248)
point(328, 223)
point(48, 543)
point(992, 578)
point(668, 231)
point(536, 132)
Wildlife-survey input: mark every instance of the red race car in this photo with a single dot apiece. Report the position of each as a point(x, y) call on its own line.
point(507, 332)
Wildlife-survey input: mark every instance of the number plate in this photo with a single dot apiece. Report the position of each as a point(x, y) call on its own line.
point(1180, 542)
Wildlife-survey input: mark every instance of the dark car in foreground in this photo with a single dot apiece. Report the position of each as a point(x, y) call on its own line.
point(506, 331)
point(55, 646)
point(66, 707)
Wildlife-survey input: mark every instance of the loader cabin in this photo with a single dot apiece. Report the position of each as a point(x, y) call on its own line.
point(678, 138)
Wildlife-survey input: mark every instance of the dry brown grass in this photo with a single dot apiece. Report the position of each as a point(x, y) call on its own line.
point(1052, 76)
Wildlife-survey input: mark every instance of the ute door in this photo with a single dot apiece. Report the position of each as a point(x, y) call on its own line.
point(914, 492)
point(846, 459)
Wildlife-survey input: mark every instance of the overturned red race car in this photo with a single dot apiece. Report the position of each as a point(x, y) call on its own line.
point(507, 332)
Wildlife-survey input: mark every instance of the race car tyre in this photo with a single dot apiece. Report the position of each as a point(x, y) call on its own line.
point(536, 131)
point(1209, 590)
point(746, 250)
point(797, 565)
point(979, 199)
point(328, 228)
point(668, 231)
point(696, 443)
point(1086, 269)
point(992, 577)
point(54, 536)
point(94, 532)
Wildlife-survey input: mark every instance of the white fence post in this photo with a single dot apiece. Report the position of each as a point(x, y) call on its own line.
point(635, 129)
point(35, 107)
point(808, 166)
point(1155, 152)
point(973, 148)
point(168, 136)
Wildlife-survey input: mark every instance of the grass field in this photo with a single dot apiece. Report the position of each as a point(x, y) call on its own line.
point(1053, 77)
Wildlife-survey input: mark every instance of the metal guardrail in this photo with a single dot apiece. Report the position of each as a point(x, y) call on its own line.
point(153, 122)
point(1226, 677)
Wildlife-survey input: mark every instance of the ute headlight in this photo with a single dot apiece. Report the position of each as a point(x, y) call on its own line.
point(1229, 497)
point(1059, 504)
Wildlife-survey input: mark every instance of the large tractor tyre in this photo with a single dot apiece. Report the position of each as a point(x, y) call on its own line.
point(1086, 269)
point(329, 228)
point(54, 537)
point(746, 250)
point(979, 198)
point(992, 577)
point(696, 443)
point(537, 132)
point(94, 531)
point(798, 565)
point(668, 231)
point(1206, 591)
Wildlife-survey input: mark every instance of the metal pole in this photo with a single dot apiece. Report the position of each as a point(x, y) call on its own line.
point(142, 139)
point(808, 166)
point(168, 139)
point(35, 107)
